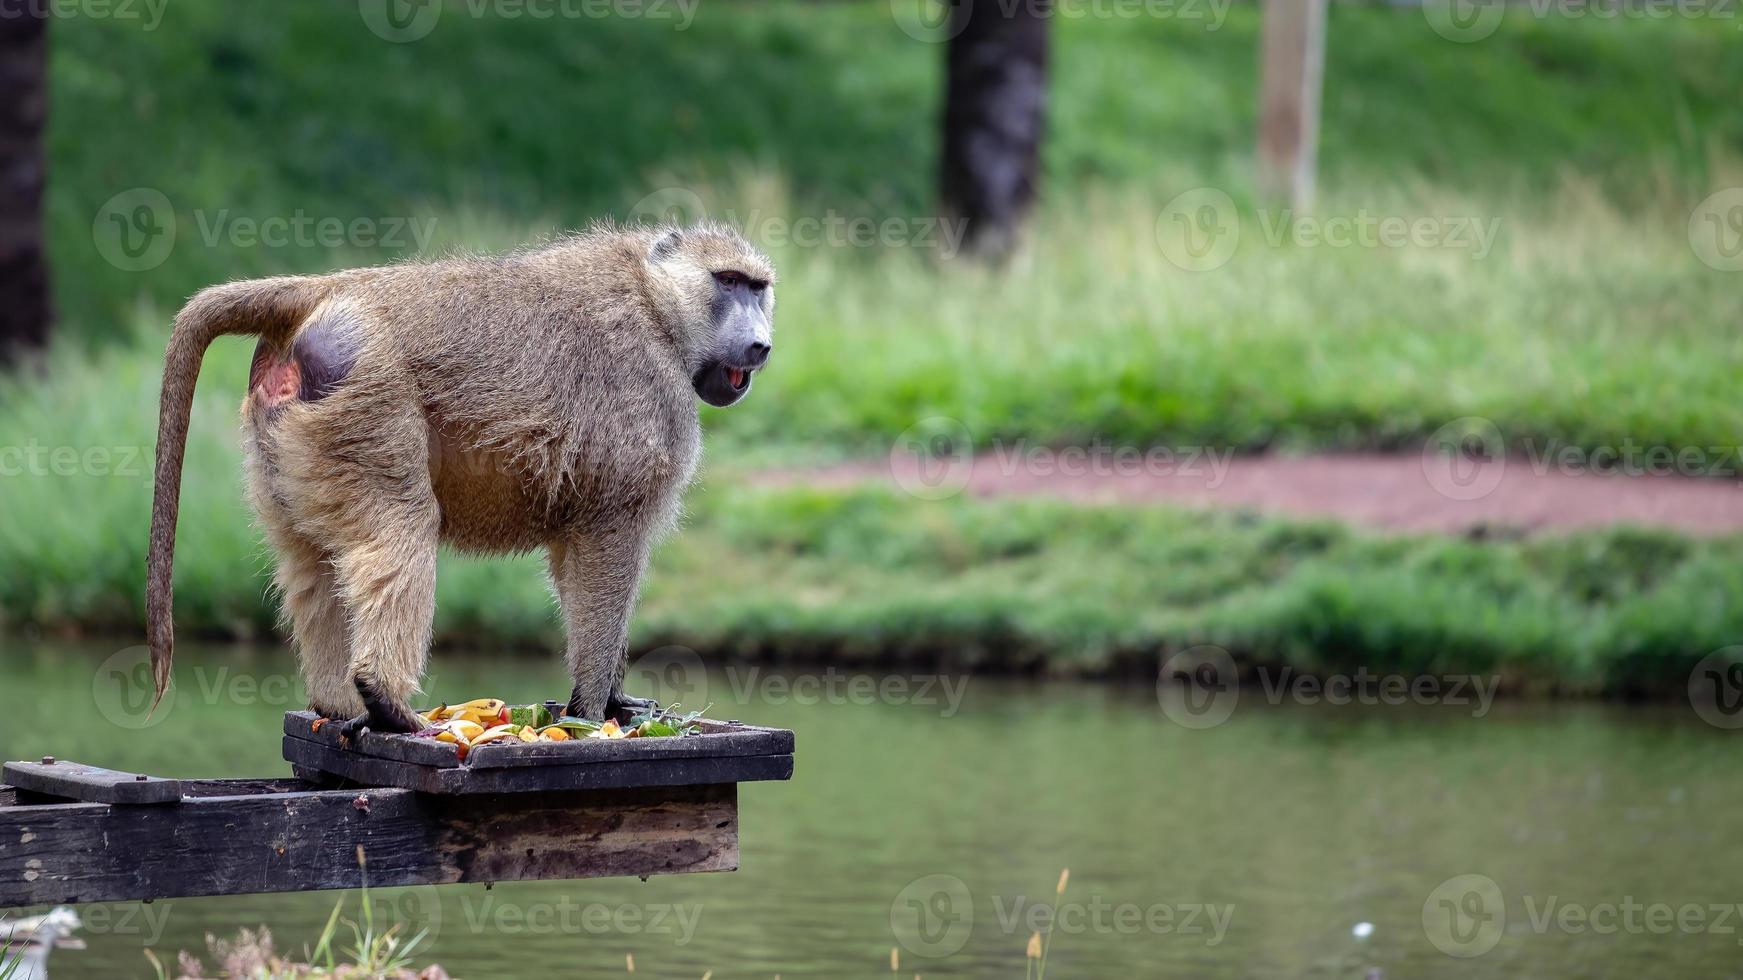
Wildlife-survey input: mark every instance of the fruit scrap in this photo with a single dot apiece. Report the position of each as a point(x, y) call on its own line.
point(488, 720)
point(611, 729)
point(486, 712)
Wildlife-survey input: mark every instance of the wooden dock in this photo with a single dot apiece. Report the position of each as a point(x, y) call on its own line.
point(72, 833)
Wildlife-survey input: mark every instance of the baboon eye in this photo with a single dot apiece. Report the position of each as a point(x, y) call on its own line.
point(730, 278)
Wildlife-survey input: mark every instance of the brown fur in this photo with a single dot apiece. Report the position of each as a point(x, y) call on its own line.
point(542, 399)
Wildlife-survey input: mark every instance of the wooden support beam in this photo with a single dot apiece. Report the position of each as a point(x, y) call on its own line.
point(1291, 63)
point(231, 837)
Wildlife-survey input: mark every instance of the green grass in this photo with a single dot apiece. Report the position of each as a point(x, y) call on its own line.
point(876, 576)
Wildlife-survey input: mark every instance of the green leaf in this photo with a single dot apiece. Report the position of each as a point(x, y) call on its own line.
point(574, 725)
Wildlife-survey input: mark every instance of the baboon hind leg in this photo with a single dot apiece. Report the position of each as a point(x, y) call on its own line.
point(597, 578)
point(363, 492)
point(310, 593)
point(387, 579)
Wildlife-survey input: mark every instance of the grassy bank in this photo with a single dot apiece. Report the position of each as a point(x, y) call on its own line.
point(1582, 316)
point(879, 576)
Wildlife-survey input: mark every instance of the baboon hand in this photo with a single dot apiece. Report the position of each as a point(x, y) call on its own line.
point(621, 705)
point(585, 704)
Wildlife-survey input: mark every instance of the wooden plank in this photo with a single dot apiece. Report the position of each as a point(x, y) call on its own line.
point(718, 739)
point(90, 784)
point(423, 751)
point(1291, 62)
point(612, 774)
point(306, 841)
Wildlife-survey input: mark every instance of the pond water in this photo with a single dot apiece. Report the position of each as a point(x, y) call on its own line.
point(934, 815)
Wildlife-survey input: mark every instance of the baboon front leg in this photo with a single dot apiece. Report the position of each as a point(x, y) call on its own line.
point(597, 578)
point(388, 582)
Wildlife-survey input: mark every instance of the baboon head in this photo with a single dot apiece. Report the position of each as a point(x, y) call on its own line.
point(723, 294)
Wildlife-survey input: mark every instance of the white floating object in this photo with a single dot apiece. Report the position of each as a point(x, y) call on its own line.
point(1362, 930)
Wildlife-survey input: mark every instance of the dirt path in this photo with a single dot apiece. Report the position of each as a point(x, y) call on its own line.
point(1402, 492)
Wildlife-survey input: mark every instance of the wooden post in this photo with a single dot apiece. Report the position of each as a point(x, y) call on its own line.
point(1291, 62)
point(25, 310)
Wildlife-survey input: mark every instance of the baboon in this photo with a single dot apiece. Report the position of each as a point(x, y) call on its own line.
point(544, 399)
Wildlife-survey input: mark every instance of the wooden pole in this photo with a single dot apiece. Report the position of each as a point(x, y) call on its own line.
point(1291, 62)
point(25, 310)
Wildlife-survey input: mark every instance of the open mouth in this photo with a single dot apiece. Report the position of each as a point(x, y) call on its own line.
point(722, 384)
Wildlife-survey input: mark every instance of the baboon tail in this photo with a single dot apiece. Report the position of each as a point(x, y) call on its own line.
point(264, 307)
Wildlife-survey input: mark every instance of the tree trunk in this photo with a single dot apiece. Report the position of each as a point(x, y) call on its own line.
point(24, 300)
point(994, 105)
point(1291, 61)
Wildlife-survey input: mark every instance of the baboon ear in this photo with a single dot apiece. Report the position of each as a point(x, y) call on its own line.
point(667, 246)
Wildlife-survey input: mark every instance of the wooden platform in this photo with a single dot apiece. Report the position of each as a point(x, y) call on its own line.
point(241, 836)
point(725, 752)
point(584, 809)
